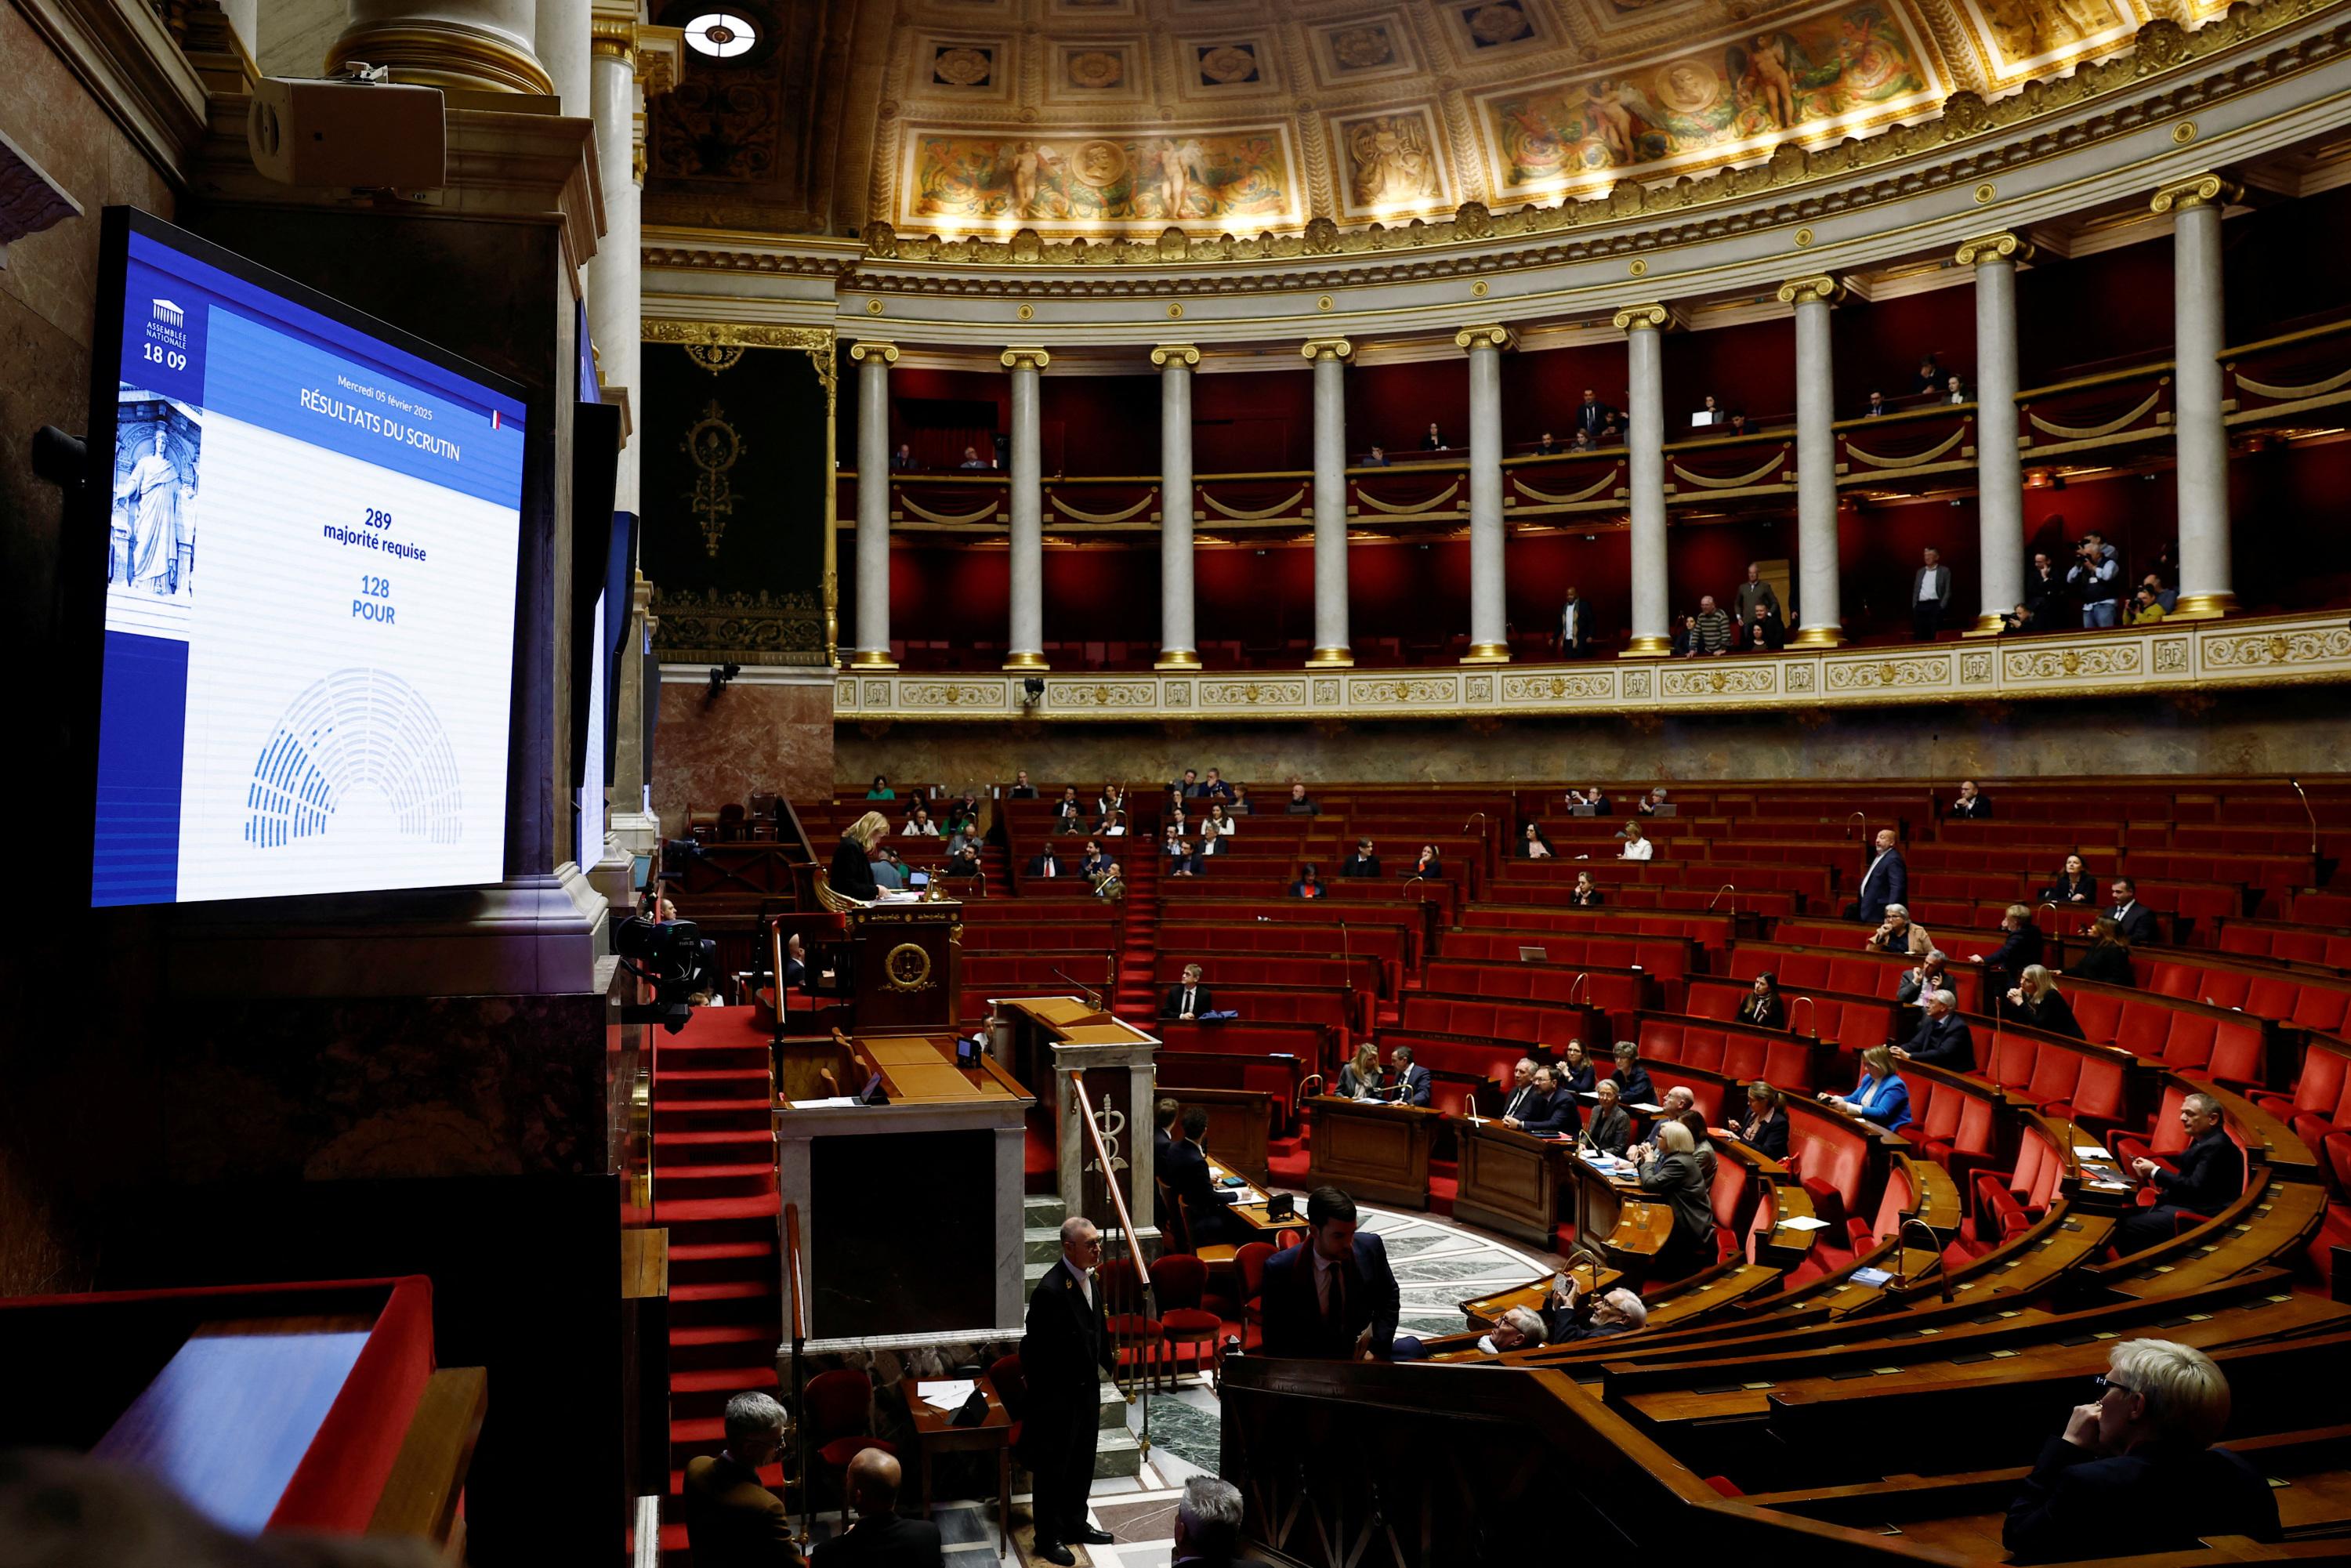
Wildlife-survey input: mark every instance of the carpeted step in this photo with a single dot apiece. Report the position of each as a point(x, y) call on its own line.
point(697, 1136)
point(698, 1076)
point(723, 1291)
point(715, 1171)
point(675, 1211)
point(719, 1251)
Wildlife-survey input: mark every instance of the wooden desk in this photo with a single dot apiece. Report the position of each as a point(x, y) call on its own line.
point(1614, 1222)
point(1253, 1215)
point(935, 1433)
point(1375, 1150)
point(1239, 1123)
point(1510, 1181)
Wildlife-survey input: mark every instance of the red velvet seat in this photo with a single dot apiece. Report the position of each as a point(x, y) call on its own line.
point(1179, 1287)
point(839, 1406)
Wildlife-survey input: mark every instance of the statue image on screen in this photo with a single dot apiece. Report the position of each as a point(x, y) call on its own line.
point(151, 559)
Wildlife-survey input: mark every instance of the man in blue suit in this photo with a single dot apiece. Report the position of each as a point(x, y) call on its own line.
point(1335, 1298)
point(1888, 881)
point(1412, 1083)
point(1942, 1039)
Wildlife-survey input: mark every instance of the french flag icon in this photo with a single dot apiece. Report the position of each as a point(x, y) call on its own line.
point(496, 415)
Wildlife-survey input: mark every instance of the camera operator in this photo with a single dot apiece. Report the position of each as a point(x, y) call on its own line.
point(2097, 578)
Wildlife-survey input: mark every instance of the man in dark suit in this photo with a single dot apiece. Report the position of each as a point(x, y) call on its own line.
point(904, 458)
point(1931, 596)
point(879, 1538)
point(1188, 998)
point(1362, 862)
point(1591, 416)
point(1566, 1318)
point(1047, 865)
point(1207, 1524)
point(1163, 1134)
point(2134, 1472)
point(1555, 1111)
point(1755, 591)
point(732, 1520)
point(1335, 1298)
point(1888, 881)
point(1021, 788)
point(1524, 1102)
point(2044, 590)
point(1574, 626)
point(1412, 1083)
point(1066, 1345)
point(1972, 805)
point(1942, 1039)
point(2132, 920)
point(2205, 1177)
point(1188, 1179)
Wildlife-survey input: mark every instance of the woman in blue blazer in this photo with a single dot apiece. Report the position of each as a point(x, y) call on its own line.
point(1881, 1096)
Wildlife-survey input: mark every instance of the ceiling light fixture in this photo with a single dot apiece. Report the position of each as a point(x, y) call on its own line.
point(721, 34)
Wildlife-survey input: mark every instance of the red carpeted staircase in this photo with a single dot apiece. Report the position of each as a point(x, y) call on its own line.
point(1138, 994)
point(715, 1190)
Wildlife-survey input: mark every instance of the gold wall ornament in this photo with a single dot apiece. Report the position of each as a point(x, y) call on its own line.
point(715, 448)
point(1804, 290)
point(1477, 289)
point(1490, 335)
point(1803, 238)
point(874, 348)
point(1174, 312)
point(873, 307)
point(1326, 348)
point(1323, 302)
point(1640, 267)
point(660, 54)
point(613, 40)
point(907, 968)
point(1653, 316)
point(2184, 133)
point(2002, 246)
point(715, 357)
point(1024, 358)
point(1027, 312)
point(2196, 190)
point(1166, 352)
point(1985, 192)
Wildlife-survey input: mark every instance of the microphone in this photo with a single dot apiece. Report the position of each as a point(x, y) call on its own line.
point(1584, 980)
point(1093, 997)
point(2307, 813)
point(1725, 887)
point(1814, 1015)
point(1474, 816)
point(1864, 824)
point(1942, 1275)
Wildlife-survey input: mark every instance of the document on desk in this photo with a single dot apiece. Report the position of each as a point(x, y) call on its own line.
point(949, 1395)
point(1804, 1222)
point(822, 1105)
point(2092, 1152)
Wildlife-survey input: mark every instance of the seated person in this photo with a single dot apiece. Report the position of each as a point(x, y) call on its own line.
point(1611, 1128)
point(1046, 863)
point(965, 862)
point(1931, 975)
point(2205, 1177)
point(1188, 998)
point(1239, 805)
point(2041, 1005)
point(1521, 1328)
point(1672, 1174)
point(1181, 860)
point(1649, 804)
point(1765, 1130)
point(1361, 1079)
point(2135, 1471)
point(1574, 1071)
point(1094, 864)
point(1309, 883)
point(2134, 920)
point(1427, 864)
point(889, 871)
point(731, 1517)
point(881, 790)
point(1632, 1078)
point(1881, 1096)
point(1638, 846)
point(1214, 788)
point(1212, 839)
point(1409, 1084)
point(1585, 894)
point(1302, 804)
point(1972, 805)
point(919, 824)
point(2021, 621)
point(1187, 787)
point(2074, 885)
point(2109, 957)
point(2021, 947)
point(1899, 933)
point(1573, 1314)
point(1194, 1186)
point(1227, 824)
point(1941, 1038)
point(1067, 809)
point(1597, 798)
point(2146, 610)
point(1112, 826)
point(881, 1534)
point(1021, 788)
point(1362, 862)
point(1761, 632)
point(1761, 1007)
point(1534, 844)
point(1555, 1113)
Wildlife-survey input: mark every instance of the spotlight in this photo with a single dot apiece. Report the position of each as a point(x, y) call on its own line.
point(720, 675)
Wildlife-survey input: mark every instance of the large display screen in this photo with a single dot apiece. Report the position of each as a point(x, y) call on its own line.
point(313, 522)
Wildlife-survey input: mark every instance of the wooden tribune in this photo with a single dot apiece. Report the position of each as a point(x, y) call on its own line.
point(1511, 1180)
point(1375, 1149)
point(907, 962)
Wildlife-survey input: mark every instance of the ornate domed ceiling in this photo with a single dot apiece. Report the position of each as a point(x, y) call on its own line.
point(1126, 117)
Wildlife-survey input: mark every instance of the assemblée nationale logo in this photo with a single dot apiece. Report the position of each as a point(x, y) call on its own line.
point(169, 324)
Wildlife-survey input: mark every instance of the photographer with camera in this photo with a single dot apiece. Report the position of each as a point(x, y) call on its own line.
point(2097, 578)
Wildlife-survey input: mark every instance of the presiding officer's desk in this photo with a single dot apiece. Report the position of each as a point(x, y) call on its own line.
point(1377, 1149)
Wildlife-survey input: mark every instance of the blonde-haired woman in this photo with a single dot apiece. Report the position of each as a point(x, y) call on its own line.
point(1638, 846)
point(1360, 1076)
point(2042, 1005)
point(853, 862)
point(1881, 1096)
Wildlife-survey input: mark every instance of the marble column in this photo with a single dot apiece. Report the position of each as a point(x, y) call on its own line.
point(2000, 468)
point(875, 360)
point(478, 45)
point(2198, 419)
point(560, 40)
point(1816, 498)
point(1178, 650)
point(1644, 327)
point(1330, 647)
point(1026, 648)
point(1489, 630)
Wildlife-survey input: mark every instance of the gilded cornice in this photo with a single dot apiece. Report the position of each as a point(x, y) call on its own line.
point(1793, 185)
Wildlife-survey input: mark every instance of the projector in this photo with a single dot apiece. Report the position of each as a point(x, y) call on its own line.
point(357, 129)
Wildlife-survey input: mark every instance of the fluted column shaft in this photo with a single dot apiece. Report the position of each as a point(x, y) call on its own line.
point(1643, 327)
point(1177, 648)
point(1026, 649)
point(1330, 647)
point(1489, 636)
point(874, 361)
point(2206, 583)
point(1816, 501)
point(2000, 468)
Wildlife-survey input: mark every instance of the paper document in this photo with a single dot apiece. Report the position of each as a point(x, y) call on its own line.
point(2091, 1152)
point(1648, 1110)
point(947, 1393)
point(1804, 1222)
point(822, 1105)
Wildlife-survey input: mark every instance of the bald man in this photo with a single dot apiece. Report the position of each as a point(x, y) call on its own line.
point(879, 1538)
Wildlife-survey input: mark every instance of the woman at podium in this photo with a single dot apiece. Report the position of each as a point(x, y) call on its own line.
point(852, 859)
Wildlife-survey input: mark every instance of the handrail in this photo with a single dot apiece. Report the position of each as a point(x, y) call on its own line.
point(1125, 1227)
point(796, 1324)
point(2325, 329)
point(2104, 378)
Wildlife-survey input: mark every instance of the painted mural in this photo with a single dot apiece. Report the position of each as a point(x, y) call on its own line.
point(1811, 69)
point(1225, 177)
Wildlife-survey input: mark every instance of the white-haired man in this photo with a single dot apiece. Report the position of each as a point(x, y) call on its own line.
point(2135, 1470)
point(732, 1520)
point(1517, 1329)
point(1568, 1316)
point(1207, 1524)
point(1064, 1349)
point(2205, 1177)
point(1942, 1039)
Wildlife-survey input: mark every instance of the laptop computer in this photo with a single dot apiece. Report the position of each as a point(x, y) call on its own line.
point(1531, 955)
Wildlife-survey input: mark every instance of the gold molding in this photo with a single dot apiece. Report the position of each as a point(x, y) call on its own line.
point(1028, 357)
point(1026, 661)
point(661, 58)
point(1340, 658)
point(1818, 637)
point(887, 352)
point(2203, 607)
point(1183, 353)
point(1652, 317)
point(1819, 287)
point(872, 659)
point(1177, 659)
point(1646, 648)
point(1487, 654)
point(1491, 335)
point(611, 40)
point(1325, 349)
point(2196, 190)
point(436, 52)
point(2002, 246)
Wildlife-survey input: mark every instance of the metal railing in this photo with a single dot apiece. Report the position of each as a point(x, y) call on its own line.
point(1108, 1166)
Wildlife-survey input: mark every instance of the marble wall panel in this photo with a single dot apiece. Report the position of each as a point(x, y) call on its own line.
point(2255, 733)
point(750, 736)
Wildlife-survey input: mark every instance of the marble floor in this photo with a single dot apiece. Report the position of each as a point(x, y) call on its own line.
point(1437, 1266)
